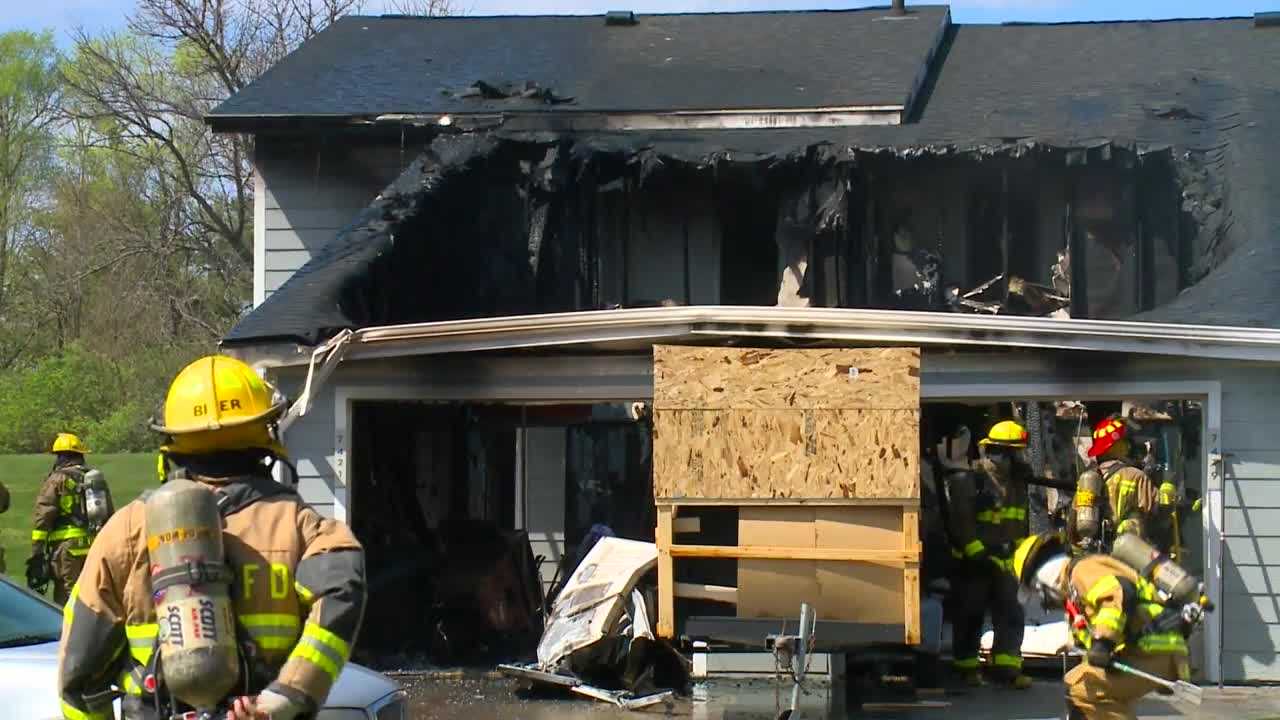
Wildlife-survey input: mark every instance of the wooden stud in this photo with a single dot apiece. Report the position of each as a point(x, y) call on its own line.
point(666, 574)
point(911, 576)
point(1004, 233)
point(911, 604)
point(911, 530)
point(714, 593)
point(893, 558)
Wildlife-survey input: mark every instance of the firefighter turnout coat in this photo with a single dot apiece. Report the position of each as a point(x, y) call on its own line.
point(987, 512)
point(1132, 497)
point(1119, 605)
point(55, 518)
point(298, 595)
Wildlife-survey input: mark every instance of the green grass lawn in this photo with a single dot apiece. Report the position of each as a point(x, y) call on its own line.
point(128, 475)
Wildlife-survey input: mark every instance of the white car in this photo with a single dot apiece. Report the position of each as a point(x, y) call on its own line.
point(29, 630)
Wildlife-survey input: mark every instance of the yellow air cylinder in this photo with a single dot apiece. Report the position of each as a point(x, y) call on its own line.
point(1087, 502)
point(1170, 578)
point(198, 655)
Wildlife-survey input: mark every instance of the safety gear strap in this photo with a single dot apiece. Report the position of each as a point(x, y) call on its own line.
point(193, 573)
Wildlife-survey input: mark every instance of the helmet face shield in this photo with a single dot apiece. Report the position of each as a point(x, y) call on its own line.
point(1044, 583)
point(1046, 598)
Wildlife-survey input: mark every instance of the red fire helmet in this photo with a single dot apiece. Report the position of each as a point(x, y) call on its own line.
point(1106, 434)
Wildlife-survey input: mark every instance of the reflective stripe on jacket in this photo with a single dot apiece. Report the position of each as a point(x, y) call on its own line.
point(56, 518)
point(1119, 605)
point(986, 513)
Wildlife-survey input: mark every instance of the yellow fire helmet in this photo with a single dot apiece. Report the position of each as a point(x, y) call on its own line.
point(1030, 549)
point(219, 403)
point(1006, 433)
point(68, 443)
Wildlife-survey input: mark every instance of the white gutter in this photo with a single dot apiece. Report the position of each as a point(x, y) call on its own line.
point(328, 355)
point(815, 325)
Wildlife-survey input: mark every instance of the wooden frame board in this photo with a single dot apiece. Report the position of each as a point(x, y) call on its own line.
point(858, 563)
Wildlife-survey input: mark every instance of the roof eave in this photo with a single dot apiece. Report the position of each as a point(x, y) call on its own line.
point(626, 328)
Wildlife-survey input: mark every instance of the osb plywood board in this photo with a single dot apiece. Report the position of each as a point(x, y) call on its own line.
point(743, 454)
point(714, 378)
point(837, 590)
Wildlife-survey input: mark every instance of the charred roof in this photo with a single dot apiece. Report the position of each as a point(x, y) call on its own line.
point(1201, 91)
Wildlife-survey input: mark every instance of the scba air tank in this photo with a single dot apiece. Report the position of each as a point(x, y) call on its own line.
point(1087, 501)
point(1170, 578)
point(191, 588)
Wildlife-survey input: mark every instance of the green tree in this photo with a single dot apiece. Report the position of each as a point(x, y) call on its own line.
point(29, 97)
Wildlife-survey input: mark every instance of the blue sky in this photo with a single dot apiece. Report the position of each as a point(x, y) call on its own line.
point(64, 15)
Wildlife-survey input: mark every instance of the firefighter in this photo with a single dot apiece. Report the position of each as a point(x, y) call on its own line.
point(934, 574)
point(62, 528)
point(296, 578)
point(1132, 499)
point(1115, 613)
point(986, 515)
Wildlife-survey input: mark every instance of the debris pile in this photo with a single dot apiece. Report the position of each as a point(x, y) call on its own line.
point(528, 90)
point(599, 640)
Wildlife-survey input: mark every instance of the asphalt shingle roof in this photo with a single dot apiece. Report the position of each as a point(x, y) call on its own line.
point(362, 66)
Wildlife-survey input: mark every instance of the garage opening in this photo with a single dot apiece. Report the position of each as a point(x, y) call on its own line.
point(1166, 442)
point(470, 513)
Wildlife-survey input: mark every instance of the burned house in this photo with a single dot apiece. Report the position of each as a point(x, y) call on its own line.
point(470, 232)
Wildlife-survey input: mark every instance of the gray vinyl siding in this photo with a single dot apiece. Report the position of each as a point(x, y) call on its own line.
point(311, 447)
point(1251, 528)
point(313, 189)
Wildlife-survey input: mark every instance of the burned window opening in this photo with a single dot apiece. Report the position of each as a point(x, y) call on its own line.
point(546, 227)
point(747, 208)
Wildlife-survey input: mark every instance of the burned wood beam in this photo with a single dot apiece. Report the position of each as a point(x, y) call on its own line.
point(1144, 240)
point(1076, 250)
point(1004, 232)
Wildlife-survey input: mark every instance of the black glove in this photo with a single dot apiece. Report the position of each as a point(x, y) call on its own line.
point(37, 573)
point(38, 567)
point(1100, 653)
